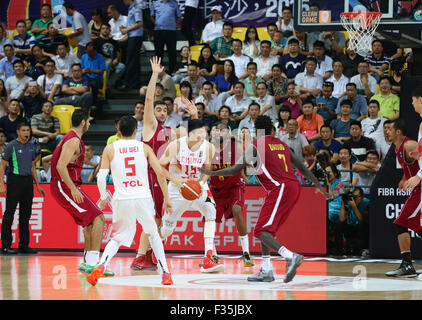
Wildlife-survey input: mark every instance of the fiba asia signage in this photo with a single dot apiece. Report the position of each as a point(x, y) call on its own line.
point(386, 203)
point(51, 227)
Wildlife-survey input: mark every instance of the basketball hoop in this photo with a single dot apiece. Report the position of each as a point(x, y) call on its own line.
point(361, 27)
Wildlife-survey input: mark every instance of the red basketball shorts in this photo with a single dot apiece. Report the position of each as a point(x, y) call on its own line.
point(276, 208)
point(410, 214)
point(225, 199)
point(157, 194)
point(83, 213)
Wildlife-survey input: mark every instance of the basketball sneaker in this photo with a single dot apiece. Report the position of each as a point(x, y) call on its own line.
point(150, 258)
point(167, 280)
point(247, 260)
point(106, 273)
point(405, 270)
point(291, 266)
point(216, 259)
point(97, 273)
point(262, 276)
point(143, 263)
point(210, 265)
point(82, 267)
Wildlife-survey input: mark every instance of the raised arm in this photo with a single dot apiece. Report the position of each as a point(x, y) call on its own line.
point(150, 122)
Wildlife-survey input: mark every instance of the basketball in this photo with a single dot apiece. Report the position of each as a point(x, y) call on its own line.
point(191, 190)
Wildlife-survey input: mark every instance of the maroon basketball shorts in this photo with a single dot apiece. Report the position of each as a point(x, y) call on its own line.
point(276, 208)
point(226, 198)
point(157, 194)
point(83, 213)
point(410, 214)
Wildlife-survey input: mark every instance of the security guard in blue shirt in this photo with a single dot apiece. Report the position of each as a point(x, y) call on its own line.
point(166, 16)
point(135, 32)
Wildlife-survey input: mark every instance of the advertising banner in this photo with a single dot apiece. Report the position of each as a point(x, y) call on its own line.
point(51, 227)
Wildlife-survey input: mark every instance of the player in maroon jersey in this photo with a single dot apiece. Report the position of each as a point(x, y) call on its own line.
point(409, 217)
point(228, 192)
point(66, 165)
point(272, 160)
point(157, 136)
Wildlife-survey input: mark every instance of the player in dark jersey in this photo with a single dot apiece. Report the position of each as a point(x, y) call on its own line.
point(272, 160)
point(157, 136)
point(409, 217)
point(228, 192)
point(66, 165)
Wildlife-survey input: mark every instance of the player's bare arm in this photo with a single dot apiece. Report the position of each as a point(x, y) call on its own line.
point(208, 164)
point(155, 164)
point(150, 122)
point(70, 151)
point(170, 153)
point(249, 158)
point(307, 174)
point(106, 158)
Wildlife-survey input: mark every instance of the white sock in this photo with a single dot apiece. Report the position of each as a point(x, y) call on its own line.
point(109, 252)
point(158, 248)
point(214, 249)
point(208, 244)
point(285, 253)
point(92, 257)
point(244, 242)
point(266, 263)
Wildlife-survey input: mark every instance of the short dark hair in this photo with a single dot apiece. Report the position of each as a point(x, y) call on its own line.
point(23, 124)
point(345, 148)
point(374, 102)
point(308, 101)
point(293, 41)
point(319, 44)
point(417, 92)
point(325, 126)
point(127, 125)
point(264, 123)
point(351, 84)
point(251, 63)
point(400, 124)
point(75, 64)
point(271, 24)
point(228, 23)
point(168, 99)
point(46, 5)
point(68, 5)
point(385, 78)
point(18, 61)
point(276, 66)
point(312, 59)
point(347, 102)
point(20, 21)
point(356, 123)
point(377, 40)
point(194, 124)
point(8, 45)
point(254, 104)
point(266, 42)
point(372, 152)
point(207, 83)
point(77, 117)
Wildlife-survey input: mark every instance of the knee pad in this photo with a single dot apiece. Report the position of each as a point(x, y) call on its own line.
point(400, 230)
point(167, 228)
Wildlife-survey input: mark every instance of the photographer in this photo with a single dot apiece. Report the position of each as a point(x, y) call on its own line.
point(335, 189)
point(353, 221)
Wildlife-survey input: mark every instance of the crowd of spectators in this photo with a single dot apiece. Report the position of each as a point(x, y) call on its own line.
point(333, 107)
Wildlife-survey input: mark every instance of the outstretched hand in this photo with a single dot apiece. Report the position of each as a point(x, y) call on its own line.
point(156, 65)
point(190, 108)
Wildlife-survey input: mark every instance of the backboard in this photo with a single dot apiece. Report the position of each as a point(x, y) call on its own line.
point(322, 15)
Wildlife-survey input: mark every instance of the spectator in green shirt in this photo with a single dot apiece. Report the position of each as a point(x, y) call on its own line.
point(389, 102)
point(221, 47)
point(40, 26)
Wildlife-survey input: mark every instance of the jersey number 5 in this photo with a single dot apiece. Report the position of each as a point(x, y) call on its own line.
point(130, 166)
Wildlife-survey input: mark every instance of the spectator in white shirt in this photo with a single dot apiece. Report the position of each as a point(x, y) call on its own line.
point(239, 102)
point(324, 62)
point(383, 145)
point(266, 102)
point(239, 59)
point(365, 83)
point(116, 20)
point(309, 83)
point(372, 126)
point(50, 82)
point(251, 44)
point(16, 84)
point(209, 99)
point(64, 60)
point(213, 29)
point(173, 118)
point(80, 28)
point(338, 79)
point(266, 61)
point(285, 23)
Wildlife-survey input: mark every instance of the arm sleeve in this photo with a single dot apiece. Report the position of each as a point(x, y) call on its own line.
point(101, 183)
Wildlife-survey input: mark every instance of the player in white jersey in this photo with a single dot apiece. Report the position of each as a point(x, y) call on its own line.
point(132, 201)
point(185, 156)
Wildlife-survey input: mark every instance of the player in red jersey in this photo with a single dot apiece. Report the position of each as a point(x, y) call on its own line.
point(272, 161)
point(66, 165)
point(157, 136)
point(409, 217)
point(228, 192)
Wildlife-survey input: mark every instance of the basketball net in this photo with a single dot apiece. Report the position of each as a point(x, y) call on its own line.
point(361, 27)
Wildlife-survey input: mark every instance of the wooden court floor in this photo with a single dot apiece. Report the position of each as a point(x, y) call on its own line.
point(54, 276)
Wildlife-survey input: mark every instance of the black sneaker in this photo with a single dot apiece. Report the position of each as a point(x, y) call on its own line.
point(27, 250)
point(406, 270)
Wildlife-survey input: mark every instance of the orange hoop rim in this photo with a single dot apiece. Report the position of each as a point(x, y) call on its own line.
point(356, 15)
